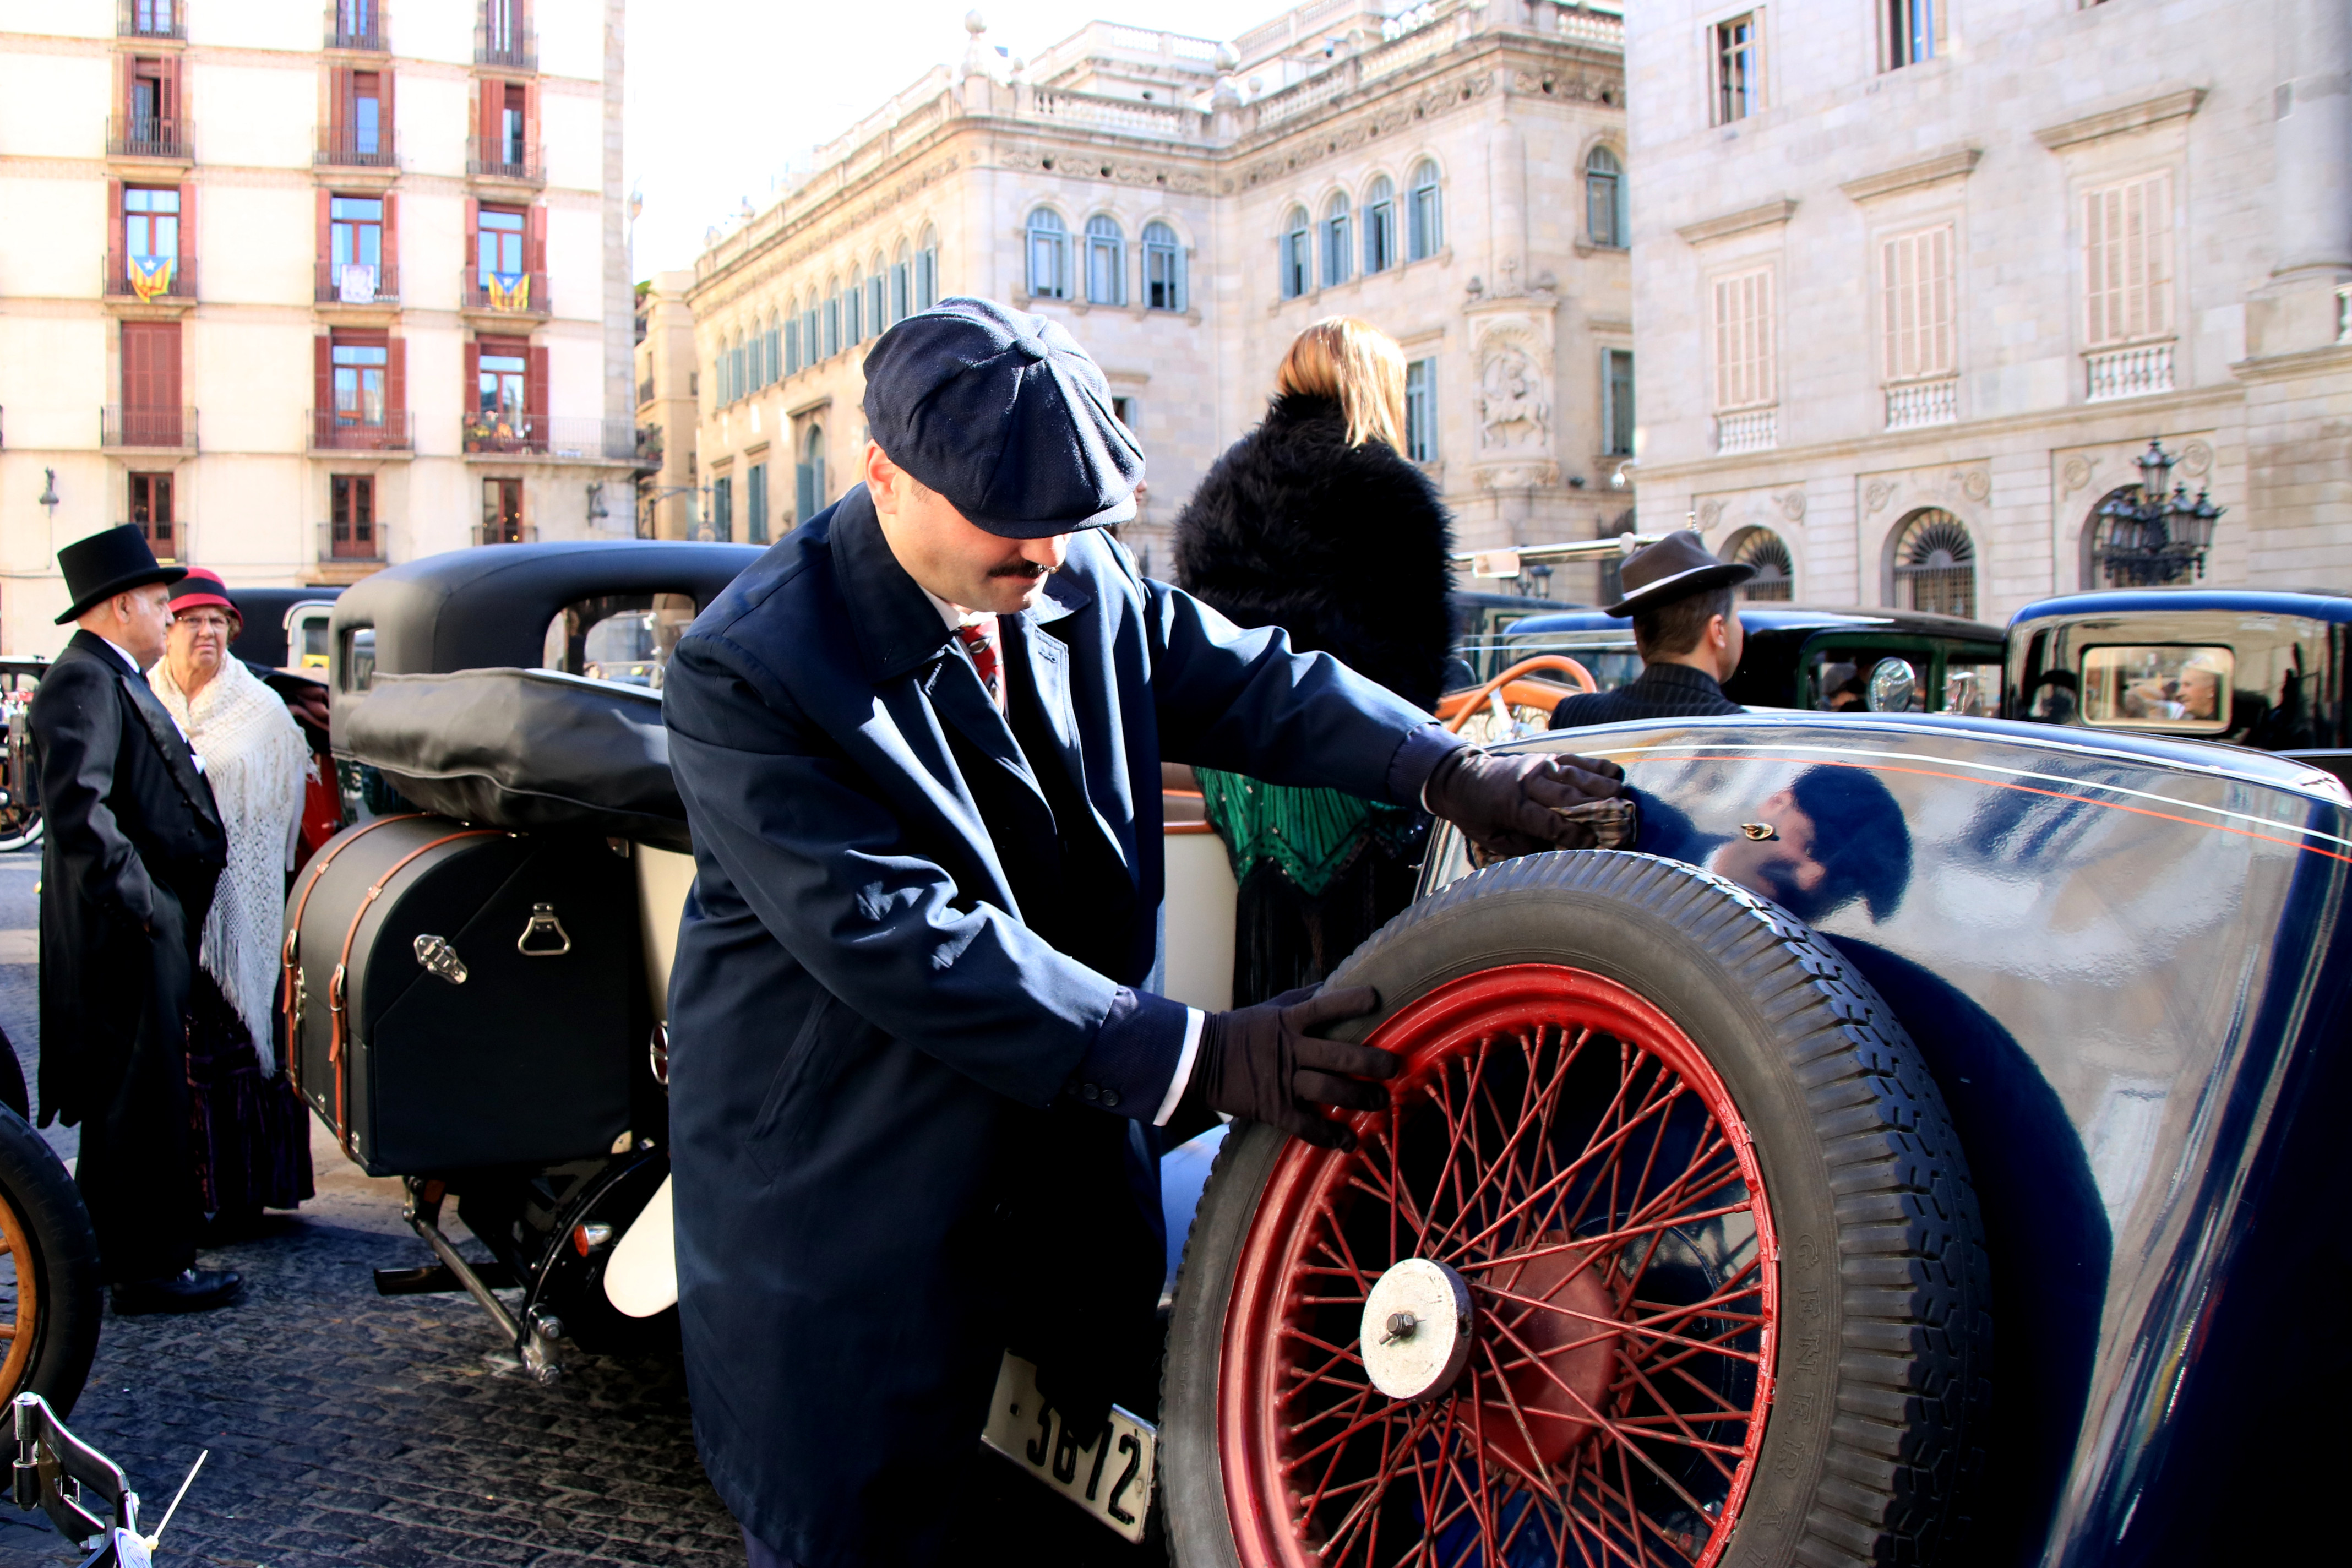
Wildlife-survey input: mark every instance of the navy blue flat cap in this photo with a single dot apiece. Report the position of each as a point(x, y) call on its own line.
point(1005, 416)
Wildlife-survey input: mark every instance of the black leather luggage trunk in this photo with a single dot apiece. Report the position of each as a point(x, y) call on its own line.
point(465, 995)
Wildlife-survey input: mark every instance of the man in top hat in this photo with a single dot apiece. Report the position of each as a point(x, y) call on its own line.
point(131, 848)
point(1686, 629)
point(917, 1081)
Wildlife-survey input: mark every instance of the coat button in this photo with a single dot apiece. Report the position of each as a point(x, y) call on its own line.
point(1110, 1098)
point(1089, 1093)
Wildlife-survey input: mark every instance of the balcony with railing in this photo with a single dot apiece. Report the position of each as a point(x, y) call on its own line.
point(644, 392)
point(149, 279)
point(520, 294)
point(539, 435)
point(339, 430)
point(360, 544)
point(1914, 404)
point(152, 19)
point(357, 26)
point(505, 534)
point(149, 136)
point(354, 147)
point(497, 158)
point(507, 48)
point(1748, 430)
point(356, 283)
point(2138, 371)
point(172, 429)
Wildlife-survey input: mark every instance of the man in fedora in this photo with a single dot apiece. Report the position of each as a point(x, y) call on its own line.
point(919, 1075)
point(1686, 629)
point(132, 846)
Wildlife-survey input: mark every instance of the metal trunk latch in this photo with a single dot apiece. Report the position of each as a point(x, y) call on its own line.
point(440, 960)
point(544, 930)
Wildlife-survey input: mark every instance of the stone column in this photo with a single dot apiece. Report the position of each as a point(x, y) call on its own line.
point(1507, 204)
point(2313, 135)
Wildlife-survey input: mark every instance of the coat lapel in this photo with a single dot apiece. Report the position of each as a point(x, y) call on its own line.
point(178, 760)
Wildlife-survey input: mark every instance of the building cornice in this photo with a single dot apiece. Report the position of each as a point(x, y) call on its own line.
point(1777, 211)
point(2177, 104)
point(2283, 367)
point(1953, 165)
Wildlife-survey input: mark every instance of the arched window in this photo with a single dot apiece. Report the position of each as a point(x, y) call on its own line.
point(852, 310)
point(1337, 257)
point(1049, 256)
point(927, 271)
point(1776, 570)
point(902, 284)
point(808, 475)
point(833, 320)
point(1425, 219)
point(1106, 261)
point(877, 301)
point(792, 345)
point(1936, 565)
point(1604, 200)
point(1297, 252)
point(1379, 226)
point(1163, 268)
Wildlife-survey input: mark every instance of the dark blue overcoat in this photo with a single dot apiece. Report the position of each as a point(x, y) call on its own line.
point(865, 1026)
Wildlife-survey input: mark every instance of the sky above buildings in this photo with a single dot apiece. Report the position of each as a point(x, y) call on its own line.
point(724, 95)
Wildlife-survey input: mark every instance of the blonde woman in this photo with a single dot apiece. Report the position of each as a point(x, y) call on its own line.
point(1316, 522)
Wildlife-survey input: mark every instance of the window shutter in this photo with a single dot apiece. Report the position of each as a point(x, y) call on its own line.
point(1743, 340)
point(395, 376)
point(469, 245)
point(487, 98)
point(341, 119)
point(534, 243)
point(391, 259)
point(322, 383)
point(326, 252)
point(470, 399)
point(114, 269)
point(534, 387)
point(2127, 261)
point(183, 283)
point(384, 112)
point(170, 94)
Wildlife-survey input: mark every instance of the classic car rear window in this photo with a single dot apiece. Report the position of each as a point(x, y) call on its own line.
point(2180, 689)
point(625, 638)
point(1973, 689)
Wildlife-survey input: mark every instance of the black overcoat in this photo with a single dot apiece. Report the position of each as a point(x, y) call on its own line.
point(1346, 548)
point(867, 1023)
point(132, 845)
point(1662, 692)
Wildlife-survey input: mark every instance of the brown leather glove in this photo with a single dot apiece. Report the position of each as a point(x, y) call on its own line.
point(1528, 802)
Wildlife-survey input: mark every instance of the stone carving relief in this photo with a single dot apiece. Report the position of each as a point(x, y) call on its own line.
point(1874, 494)
point(1186, 181)
point(1514, 391)
point(1710, 513)
point(1584, 85)
point(1975, 483)
point(1518, 476)
point(2196, 460)
point(1432, 101)
point(1791, 505)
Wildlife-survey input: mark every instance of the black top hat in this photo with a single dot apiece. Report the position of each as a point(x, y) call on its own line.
point(1005, 416)
point(1676, 567)
point(107, 563)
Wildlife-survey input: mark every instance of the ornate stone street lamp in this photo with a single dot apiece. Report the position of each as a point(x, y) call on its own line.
point(2156, 535)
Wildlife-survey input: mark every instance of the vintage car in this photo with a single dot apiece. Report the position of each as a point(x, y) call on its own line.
point(1911, 1152)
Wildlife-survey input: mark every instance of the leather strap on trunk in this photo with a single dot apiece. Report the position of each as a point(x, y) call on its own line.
point(289, 982)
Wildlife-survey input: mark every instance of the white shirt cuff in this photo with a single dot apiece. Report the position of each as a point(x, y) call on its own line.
point(1182, 1077)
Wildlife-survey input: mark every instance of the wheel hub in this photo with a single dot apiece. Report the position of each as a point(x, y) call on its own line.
point(1416, 1330)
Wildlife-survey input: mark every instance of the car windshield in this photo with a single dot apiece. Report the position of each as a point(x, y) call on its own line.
point(1608, 657)
point(625, 638)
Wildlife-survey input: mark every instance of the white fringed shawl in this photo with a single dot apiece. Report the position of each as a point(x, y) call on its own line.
point(258, 763)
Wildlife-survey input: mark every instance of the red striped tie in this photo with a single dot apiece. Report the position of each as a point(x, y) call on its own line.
point(978, 639)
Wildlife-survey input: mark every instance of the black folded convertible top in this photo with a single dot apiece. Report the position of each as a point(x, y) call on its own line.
point(522, 749)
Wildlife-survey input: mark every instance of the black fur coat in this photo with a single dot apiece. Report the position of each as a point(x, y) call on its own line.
point(1344, 548)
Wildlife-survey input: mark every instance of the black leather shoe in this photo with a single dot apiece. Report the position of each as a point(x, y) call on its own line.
point(189, 1290)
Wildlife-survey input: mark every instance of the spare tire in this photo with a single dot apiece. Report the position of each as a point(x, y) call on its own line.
point(1660, 1165)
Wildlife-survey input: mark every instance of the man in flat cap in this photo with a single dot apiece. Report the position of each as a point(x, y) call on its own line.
point(915, 1085)
point(131, 845)
point(1686, 629)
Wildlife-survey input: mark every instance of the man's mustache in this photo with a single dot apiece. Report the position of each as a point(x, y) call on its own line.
point(1033, 570)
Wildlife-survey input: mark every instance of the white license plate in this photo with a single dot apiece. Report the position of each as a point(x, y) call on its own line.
point(1111, 1479)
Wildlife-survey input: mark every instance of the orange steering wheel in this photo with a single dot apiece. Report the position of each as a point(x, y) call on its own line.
point(1456, 708)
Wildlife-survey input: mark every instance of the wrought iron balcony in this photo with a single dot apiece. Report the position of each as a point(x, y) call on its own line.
point(509, 48)
point(356, 25)
point(149, 136)
point(336, 431)
point(356, 283)
point(505, 534)
point(644, 392)
point(360, 543)
point(536, 434)
point(122, 425)
point(525, 296)
point(350, 147)
point(152, 19)
point(496, 158)
point(151, 279)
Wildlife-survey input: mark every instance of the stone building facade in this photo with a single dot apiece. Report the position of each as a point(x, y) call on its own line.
point(1914, 284)
point(1185, 207)
point(304, 288)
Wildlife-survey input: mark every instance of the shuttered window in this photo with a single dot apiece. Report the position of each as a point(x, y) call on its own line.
point(1915, 296)
point(2127, 261)
point(1744, 374)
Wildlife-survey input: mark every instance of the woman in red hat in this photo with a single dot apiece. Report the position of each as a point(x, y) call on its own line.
point(252, 1138)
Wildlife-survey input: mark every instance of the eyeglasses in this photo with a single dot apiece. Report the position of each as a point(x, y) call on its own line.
point(212, 620)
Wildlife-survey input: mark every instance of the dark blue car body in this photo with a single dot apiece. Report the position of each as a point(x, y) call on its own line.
point(2125, 960)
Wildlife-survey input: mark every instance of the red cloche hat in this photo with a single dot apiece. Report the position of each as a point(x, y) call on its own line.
point(200, 588)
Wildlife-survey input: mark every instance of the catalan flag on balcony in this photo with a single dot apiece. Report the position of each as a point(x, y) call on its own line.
point(151, 276)
point(510, 291)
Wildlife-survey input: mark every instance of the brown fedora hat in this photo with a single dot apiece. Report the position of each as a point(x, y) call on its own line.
point(1676, 567)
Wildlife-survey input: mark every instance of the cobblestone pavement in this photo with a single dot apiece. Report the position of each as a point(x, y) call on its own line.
point(348, 1428)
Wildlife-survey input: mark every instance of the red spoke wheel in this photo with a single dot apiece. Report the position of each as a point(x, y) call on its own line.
point(1663, 1254)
